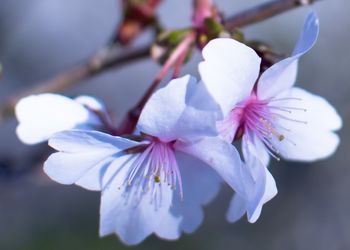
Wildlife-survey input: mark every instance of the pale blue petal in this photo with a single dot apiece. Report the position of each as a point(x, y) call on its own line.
point(131, 216)
point(92, 178)
point(84, 157)
point(315, 112)
point(97, 161)
point(307, 144)
point(222, 157)
point(237, 208)
point(309, 132)
point(269, 190)
point(257, 149)
point(181, 109)
point(66, 168)
point(282, 75)
point(264, 188)
point(91, 103)
point(308, 35)
point(169, 227)
point(79, 141)
point(229, 70)
point(200, 185)
point(40, 116)
point(256, 157)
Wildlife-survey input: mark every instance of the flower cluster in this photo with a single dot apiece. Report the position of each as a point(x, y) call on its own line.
point(158, 179)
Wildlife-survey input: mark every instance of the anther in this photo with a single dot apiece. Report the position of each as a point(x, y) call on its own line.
point(281, 137)
point(157, 178)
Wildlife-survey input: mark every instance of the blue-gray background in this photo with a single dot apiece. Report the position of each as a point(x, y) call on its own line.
point(39, 38)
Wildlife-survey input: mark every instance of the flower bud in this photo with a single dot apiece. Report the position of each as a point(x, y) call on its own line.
point(138, 15)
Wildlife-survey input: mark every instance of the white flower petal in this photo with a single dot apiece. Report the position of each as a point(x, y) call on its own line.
point(282, 75)
point(308, 133)
point(95, 161)
point(123, 212)
point(91, 102)
point(200, 185)
point(237, 208)
point(254, 147)
point(307, 144)
point(68, 168)
point(308, 108)
point(78, 141)
point(269, 191)
point(169, 227)
point(42, 115)
point(265, 190)
point(278, 78)
point(255, 156)
point(221, 156)
point(265, 186)
point(228, 127)
point(308, 35)
point(84, 157)
point(92, 177)
point(229, 71)
point(181, 109)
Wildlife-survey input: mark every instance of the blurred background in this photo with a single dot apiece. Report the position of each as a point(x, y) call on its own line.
point(39, 38)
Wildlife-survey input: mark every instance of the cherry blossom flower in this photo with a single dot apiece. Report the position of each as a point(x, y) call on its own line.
point(158, 181)
point(270, 115)
point(40, 116)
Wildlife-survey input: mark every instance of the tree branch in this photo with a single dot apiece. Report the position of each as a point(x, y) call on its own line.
point(263, 11)
point(102, 60)
point(109, 57)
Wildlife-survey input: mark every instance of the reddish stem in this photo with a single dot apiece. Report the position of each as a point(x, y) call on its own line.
point(111, 58)
point(202, 10)
point(106, 122)
point(178, 65)
point(263, 12)
point(129, 123)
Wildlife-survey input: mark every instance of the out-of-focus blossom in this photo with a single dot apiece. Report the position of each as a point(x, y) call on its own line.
point(40, 116)
point(138, 15)
point(158, 182)
point(269, 114)
point(203, 9)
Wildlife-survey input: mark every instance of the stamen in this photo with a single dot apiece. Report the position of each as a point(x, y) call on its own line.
point(289, 119)
point(271, 149)
point(156, 163)
point(281, 137)
point(287, 108)
point(284, 99)
point(157, 178)
point(262, 119)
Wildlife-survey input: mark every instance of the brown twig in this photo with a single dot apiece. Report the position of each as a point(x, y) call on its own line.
point(254, 15)
point(263, 11)
point(100, 61)
point(130, 120)
point(109, 57)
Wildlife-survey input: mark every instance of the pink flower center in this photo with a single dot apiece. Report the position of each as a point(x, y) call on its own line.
point(260, 117)
point(155, 165)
